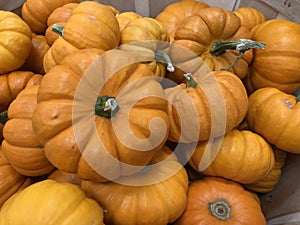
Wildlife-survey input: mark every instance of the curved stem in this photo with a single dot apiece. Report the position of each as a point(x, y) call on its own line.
point(220, 209)
point(58, 29)
point(161, 56)
point(106, 106)
point(242, 45)
point(189, 81)
point(3, 117)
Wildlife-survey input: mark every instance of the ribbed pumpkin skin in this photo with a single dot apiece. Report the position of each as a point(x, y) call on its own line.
point(234, 97)
point(275, 115)
point(244, 157)
point(244, 208)
point(69, 206)
point(125, 17)
point(36, 12)
point(278, 65)
point(268, 183)
point(52, 119)
point(34, 61)
point(197, 33)
point(21, 146)
point(16, 44)
point(10, 180)
point(159, 203)
point(250, 17)
point(13, 83)
point(175, 13)
point(91, 25)
point(58, 16)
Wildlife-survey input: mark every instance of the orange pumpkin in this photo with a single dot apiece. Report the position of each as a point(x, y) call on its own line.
point(215, 200)
point(59, 16)
point(21, 146)
point(243, 156)
point(173, 15)
point(62, 176)
point(36, 12)
point(34, 61)
point(125, 17)
point(192, 106)
point(214, 35)
point(275, 115)
point(10, 180)
point(15, 44)
point(98, 28)
point(250, 17)
point(54, 115)
point(158, 192)
point(278, 65)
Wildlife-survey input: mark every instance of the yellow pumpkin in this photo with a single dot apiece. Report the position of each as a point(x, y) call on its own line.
point(52, 203)
point(16, 44)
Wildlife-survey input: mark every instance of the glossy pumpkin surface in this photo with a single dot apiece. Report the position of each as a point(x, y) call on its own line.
point(275, 115)
point(219, 201)
point(250, 17)
point(16, 44)
point(69, 206)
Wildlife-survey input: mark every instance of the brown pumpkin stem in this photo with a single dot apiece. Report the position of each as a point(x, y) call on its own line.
point(3, 117)
point(106, 106)
point(58, 29)
point(242, 45)
point(220, 209)
point(161, 56)
point(189, 81)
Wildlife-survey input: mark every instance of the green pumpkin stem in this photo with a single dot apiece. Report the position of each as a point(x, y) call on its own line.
point(298, 98)
point(106, 106)
point(58, 29)
point(220, 209)
point(161, 56)
point(189, 81)
point(3, 117)
point(242, 45)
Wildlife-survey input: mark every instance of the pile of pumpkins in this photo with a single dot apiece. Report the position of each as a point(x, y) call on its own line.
point(109, 117)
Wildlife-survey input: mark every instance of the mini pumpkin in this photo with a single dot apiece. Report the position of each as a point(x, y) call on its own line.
point(249, 16)
point(215, 200)
point(98, 28)
point(214, 35)
point(21, 146)
point(10, 180)
point(242, 156)
point(278, 64)
point(15, 42)
point(35, 13)
point(172, 15)
point(69, 206)
point(54, 117)
point(158, 192)
point(275, 115)
point(59, 16)
point(192, 105)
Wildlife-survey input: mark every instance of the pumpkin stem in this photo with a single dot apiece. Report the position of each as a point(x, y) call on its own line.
point(106, 106)
point(242, 45)
point(189, 80)
point(58, 29)
point(220, 209)
point(162, 56)
point(3, 117)
point(298, 98)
